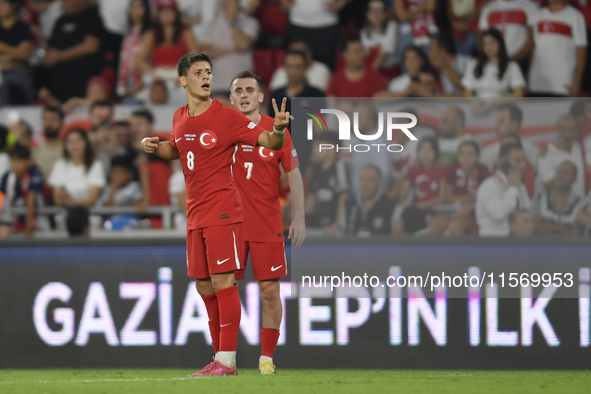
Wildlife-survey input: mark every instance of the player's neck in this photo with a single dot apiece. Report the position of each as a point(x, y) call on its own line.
point(254, 116)
point(198, 105)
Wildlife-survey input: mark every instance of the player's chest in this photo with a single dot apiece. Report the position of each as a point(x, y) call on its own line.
point(205, 142)
point(257, 154)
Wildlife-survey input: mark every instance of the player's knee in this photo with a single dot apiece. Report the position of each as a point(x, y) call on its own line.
point(222, 281)
point(270, 294)
point(204, 287)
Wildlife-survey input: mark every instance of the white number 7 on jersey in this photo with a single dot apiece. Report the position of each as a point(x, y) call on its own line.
point(248, 167)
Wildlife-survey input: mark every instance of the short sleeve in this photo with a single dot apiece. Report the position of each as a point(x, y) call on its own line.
point(96, 175)
point(398, 84)
point(531, 12)
point(241, 129)
point(483, 21)
point(516, 79)
point(24, 33)
point(249, 26)
point(331, 90)
point(390, 42)
point(172, 139)
point(580, 30)
point(57, 175)
point(36, 184)
point(93, 26)
point(468, 80)
point(288, 154)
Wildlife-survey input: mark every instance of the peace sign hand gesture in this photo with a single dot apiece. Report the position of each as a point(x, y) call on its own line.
point(282, 118)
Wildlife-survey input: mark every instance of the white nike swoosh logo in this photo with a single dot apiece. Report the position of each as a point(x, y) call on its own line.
point(222, 262)
point(177, 140)
point(224, 325)
point(276, 268)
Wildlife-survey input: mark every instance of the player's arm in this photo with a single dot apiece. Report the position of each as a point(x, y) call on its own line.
point(276, 138)
point(297, 229)
point(162, 149)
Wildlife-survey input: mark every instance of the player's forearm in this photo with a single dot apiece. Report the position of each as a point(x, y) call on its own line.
point(167, 152)
point(581, 58)
point(296, 185)
point(273, 141)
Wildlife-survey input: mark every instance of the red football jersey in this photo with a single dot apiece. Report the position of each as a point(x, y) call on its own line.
point(257, 177)
point(207, 145)
point(425, 181)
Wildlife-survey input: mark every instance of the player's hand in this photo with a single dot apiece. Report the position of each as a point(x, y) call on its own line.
point(150, 144)
point(282, 118)
point(297, 231)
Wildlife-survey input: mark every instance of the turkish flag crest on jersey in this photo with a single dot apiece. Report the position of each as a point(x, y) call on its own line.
point(208, 139)
point(266, 154)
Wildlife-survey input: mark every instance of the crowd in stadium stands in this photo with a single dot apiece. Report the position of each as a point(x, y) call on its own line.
point(70, 54)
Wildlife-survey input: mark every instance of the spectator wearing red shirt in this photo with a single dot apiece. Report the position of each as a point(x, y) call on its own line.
point(426, 180)
point(355, 79)
point(461, 184)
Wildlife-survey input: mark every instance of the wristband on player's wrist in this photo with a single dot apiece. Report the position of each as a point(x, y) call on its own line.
point(278, 131)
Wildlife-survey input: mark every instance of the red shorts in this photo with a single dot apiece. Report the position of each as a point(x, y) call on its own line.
point(213, 250)
point(268, 260)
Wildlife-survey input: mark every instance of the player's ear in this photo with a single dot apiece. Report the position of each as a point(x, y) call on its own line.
point(231, 99)
point(261, 97)
point(183, 81)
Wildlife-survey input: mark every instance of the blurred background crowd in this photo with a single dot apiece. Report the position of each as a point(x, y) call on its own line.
point(97, 72)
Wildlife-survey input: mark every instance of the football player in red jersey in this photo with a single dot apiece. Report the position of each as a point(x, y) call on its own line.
point(205, 137)
point(257, 173)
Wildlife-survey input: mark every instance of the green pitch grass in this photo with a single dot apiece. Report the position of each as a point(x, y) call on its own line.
point(168, 381)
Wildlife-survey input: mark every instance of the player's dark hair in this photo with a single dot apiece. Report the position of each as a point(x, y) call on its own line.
point(101, 103)
point(3, 137)
point(146, 19)
point(144, 113)
point(245, 75)
point(185, 62)
point(446, 42)
point(301, 54)
point(349, 40)
point(78, 220)
point(434, 145)
point(471, 143)
point(515, 113)
point(55, 110)
point(506, 149)
point(20, 151)
point(88, 152)
point(502, 56)
point(158, 28)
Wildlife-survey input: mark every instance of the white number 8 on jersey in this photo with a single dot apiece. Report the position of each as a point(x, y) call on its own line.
point(190, 160)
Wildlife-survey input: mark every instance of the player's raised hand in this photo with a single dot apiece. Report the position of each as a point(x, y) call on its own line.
point(151, 144)
point(282, 118)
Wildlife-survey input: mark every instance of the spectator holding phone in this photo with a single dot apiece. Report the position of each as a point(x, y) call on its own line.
point(502, 193)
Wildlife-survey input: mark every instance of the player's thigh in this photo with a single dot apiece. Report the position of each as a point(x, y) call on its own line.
point(222, 248)
point(239, 274)
point(268, 260)
point(196, 255)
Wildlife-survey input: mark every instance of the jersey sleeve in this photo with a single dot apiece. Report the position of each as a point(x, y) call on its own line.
point(241, 129)
point(288, 154)
point(579, 30)
point(516, 79)
point(172, 139)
